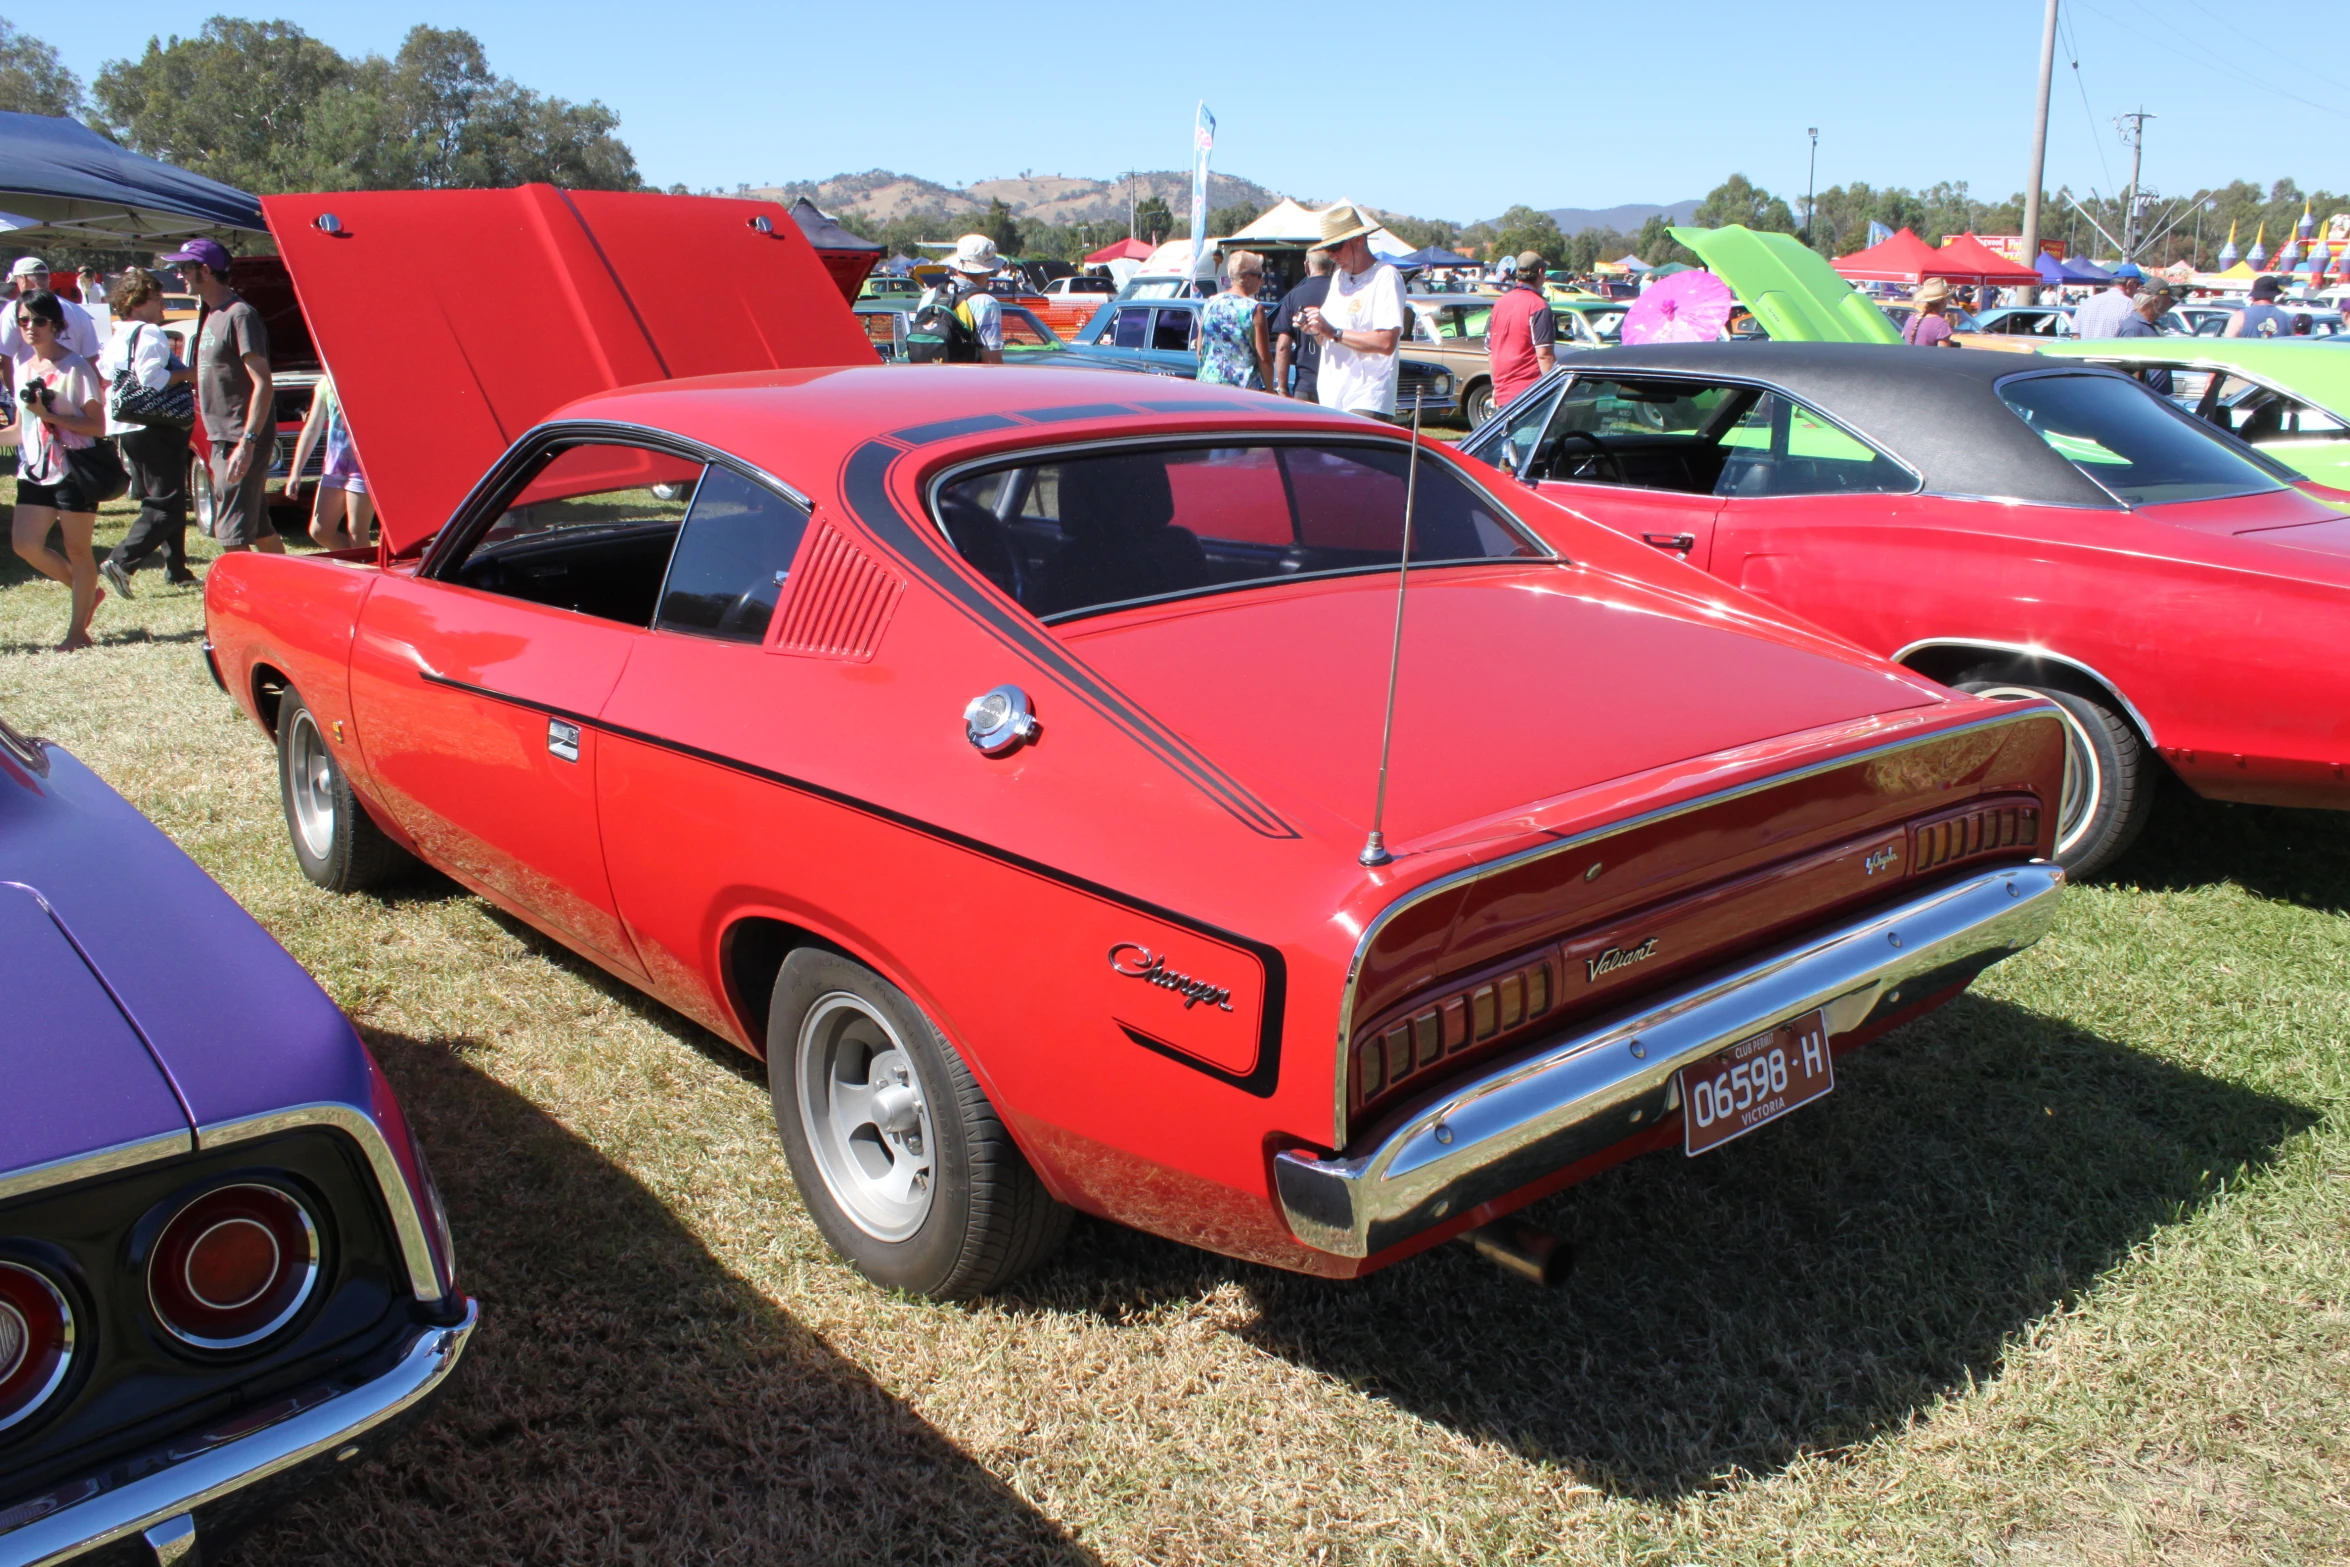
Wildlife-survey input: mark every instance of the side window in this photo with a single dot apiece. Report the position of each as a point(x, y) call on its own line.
point(1129, 327)
point(591, 532)
point(881, 331)
point(1780, 447)
point(732, 559)
point(1021, 330)
point(1513, 443)
point(1175, 330)
point(1476, 320)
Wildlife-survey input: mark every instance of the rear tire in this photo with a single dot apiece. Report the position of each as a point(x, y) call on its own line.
point(901, 1160)
point(201, 505)
point(336, 842)
point(2107, 793)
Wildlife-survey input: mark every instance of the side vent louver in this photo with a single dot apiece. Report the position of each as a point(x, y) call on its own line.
point(839, 600)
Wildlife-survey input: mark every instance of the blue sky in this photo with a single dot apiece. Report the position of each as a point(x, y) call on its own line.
point(1483, 107)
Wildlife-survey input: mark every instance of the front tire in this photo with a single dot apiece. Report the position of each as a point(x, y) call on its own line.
point(1477, 403)
point(336, 842)
point(901, 1160)
point(2107, 793)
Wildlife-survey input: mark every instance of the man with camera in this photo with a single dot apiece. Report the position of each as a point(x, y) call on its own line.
point(235, 398)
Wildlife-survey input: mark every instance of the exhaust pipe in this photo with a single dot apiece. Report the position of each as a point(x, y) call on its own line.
point(1523, 1251)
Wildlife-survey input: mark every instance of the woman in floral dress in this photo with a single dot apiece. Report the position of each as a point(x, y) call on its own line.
point(1233, 350)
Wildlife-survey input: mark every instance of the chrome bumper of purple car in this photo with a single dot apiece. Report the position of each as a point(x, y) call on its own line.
point(1584, 1092)
point(169, 1495)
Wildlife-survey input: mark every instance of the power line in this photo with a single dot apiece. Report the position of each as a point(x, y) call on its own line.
point(2072, 52)
point(2298, 64)
point(2214, 62)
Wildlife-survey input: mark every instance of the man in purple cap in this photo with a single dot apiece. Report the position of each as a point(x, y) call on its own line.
point(234, 398)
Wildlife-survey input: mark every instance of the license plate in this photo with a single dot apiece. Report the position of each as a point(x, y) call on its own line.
point(1755, 1080)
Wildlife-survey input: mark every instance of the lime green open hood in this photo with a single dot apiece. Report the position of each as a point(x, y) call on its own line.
point(1790, 288)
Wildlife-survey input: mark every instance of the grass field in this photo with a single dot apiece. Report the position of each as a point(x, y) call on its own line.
point(2058, 1276)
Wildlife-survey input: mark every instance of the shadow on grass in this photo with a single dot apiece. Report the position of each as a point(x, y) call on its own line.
point(1815, 1283)
point(627, 1398)
point(2299, 857)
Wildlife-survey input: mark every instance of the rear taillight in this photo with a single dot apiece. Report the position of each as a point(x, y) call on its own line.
point(1470, 1014)
point(1990, 827)
point(233, 1266)
point(36, 1341)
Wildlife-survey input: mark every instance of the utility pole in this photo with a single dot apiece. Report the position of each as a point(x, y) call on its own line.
point(2031, 255)
point(2136, 135)
point(1810, 183)
point(1130, 200)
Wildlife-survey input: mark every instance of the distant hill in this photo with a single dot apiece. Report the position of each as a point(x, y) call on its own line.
point(1624, 219)
point(880, 195)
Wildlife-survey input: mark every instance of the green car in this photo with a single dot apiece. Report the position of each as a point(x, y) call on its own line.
point(2290, 399)
point(1789, 287)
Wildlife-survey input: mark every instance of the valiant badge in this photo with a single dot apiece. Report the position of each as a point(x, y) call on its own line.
point(1618, 957)
point(1139, 962)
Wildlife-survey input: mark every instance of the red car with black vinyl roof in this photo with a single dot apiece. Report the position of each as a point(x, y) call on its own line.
point(994, 752)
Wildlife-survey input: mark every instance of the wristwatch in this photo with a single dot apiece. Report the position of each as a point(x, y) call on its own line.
point(248, 439)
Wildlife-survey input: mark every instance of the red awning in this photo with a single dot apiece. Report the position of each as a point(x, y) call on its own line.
point(1966, 259)
point(1124, 250)
point(1904, 258)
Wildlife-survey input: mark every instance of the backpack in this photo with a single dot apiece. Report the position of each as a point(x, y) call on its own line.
point(936, 334)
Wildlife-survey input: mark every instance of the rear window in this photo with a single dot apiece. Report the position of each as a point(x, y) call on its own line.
point(2137, 446)
point(1082, 533)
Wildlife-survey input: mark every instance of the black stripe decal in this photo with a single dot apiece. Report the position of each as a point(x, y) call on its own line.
point(864, 487)
point(1260, 1082)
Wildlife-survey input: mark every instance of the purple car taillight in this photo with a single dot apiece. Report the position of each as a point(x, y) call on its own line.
point(36, 1341)
point(233, 1266)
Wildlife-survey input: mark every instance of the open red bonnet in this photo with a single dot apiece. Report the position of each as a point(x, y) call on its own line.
point(454, 320)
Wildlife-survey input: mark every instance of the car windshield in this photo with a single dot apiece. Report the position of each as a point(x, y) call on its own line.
point(1086, 532)
point(2130, 441)
point(1606, 325)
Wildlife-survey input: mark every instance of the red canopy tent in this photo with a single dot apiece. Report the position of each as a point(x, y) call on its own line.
point(1124, 250)
point(1904, 258)
point(1966, 259)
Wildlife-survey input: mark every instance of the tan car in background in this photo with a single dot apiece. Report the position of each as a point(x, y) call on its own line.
point(1451, 328)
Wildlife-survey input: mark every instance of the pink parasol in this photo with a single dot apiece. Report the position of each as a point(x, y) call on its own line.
point(1688, 307)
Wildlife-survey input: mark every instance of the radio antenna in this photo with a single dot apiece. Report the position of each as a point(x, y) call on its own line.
point(1375, 846)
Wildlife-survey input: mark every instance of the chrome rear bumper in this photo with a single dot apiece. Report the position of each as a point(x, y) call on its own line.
point(181, 1490)
point(1586, 1091)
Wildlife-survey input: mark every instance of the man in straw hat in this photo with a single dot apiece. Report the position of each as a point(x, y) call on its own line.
point(1359, 323)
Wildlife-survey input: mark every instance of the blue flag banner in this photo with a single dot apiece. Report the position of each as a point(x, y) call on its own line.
point(1878, 233)
point(1203, 142)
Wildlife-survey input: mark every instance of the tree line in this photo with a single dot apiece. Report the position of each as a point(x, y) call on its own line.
point(1841, 215)
point(266, 107)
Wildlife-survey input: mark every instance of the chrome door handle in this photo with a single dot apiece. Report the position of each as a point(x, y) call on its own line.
point(1684, 542)
point(563, 739)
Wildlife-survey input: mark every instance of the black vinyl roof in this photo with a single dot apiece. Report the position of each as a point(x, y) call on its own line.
point(1936, 409)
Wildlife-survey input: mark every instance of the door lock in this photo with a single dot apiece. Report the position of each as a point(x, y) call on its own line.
point(1684, 542)
point(563, 739)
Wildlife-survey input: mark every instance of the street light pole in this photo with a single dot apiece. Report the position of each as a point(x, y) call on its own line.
point(1810, 183)
point(2031, 255)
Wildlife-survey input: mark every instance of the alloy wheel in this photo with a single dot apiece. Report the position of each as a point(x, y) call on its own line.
point(866, 1116)
point(310, 781)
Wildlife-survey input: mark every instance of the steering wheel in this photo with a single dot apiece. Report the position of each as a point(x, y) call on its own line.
point(750, 609)
point(1613, 465)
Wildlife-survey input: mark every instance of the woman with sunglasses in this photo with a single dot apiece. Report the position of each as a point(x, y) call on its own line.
point(61, 408)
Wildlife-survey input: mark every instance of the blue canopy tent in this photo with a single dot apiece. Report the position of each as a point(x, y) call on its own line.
point(2060, 273)
point(63, 183)
point(1435, 256)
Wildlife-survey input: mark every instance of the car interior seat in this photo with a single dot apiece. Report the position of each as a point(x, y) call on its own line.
point(1117, 517)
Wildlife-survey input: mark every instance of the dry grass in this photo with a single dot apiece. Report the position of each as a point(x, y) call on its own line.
point(2056, 1277)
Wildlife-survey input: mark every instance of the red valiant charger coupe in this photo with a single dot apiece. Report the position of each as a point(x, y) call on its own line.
point(995, 752)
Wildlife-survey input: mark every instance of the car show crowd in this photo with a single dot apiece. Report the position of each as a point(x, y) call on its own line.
point(952, 487)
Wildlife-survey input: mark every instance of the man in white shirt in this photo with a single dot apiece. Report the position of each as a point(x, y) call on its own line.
point(1360, 321)
point(2103, 314)
point(30, 275)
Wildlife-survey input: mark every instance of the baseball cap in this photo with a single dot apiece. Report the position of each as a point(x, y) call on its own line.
point(2130, 271)
point(1529, 263)
point(197, 252)
point(26, 266)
